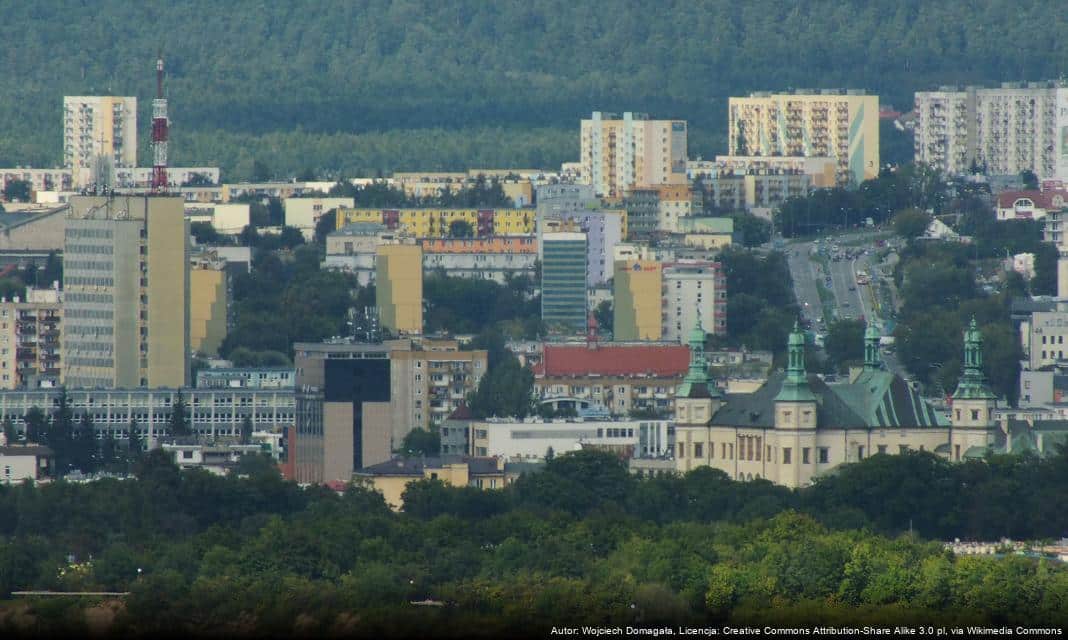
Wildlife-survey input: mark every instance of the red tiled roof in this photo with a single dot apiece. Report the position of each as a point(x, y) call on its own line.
point(613, 360)
point(1042, 199)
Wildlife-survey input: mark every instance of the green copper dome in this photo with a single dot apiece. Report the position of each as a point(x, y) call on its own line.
point(795, 386)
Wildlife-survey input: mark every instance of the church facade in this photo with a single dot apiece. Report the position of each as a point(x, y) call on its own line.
point(796, 428)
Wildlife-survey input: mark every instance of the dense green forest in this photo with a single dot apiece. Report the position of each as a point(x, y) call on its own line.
point(384, 85)
point(581, 542)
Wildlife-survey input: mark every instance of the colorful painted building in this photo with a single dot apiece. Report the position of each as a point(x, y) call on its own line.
point(435, 223)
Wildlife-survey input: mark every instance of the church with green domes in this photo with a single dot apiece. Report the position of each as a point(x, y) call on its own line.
point(796, 427)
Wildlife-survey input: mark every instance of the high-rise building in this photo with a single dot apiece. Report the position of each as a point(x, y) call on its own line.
point(830, 123)
point(29, 340)
point(343, 417)
point(604, 229)
point(637, 294)
point(399, 287)
point(563, 280)
point(1000, 131)
point(695, 292)
point(99, 130)
point(126, 288)
point(209, 304)
point(657, 300)
point(619, 152)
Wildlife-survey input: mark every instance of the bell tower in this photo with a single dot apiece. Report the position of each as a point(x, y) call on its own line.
point(795, 406)
point(973, 401)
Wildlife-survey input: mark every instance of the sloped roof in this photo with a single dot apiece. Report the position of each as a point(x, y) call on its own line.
point(1042, 199)
point(416, 466)
point(614, 360)
point(878, 399)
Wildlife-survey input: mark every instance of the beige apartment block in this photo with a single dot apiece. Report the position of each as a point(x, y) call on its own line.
point(619, 152)
point(842, 124)
point(399, 288)
point(126, 286)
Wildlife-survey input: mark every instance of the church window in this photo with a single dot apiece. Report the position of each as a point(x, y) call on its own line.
point(824, 455)
point(698, 450)
point(975, 414)
point(786, 451)
point(805, 455)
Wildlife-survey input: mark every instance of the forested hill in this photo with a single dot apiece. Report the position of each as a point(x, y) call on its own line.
point(378, 85)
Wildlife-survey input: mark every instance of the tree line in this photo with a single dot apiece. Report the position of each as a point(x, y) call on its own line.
point(582, 540)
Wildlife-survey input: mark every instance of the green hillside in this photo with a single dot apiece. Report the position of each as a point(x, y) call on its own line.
point(376, 86)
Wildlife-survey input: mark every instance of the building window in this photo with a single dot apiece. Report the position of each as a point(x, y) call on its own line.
point(975, 414)
point(805, 455)
point(698, 450)
point(882, 448)
point(786, 454)
point(824, 455)
point(860, 452)
point(902, 449)
point(682, 450)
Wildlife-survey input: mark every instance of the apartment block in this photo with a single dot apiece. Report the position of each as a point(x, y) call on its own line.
point(246, 378)
point(209, 304)
point(1000, 131)
point(620, 377)
point(619, 152)
point(30, 332)
point(99, 129)
point(126, 288)
point(431, 379)
point(304, 213)
point(637, 294)
point(840, 124)
point(39, 179)
point(399, 288)
point(694, 291)
point(435, 223)
point(489, 258)
point(563, 281)
point(676, 203)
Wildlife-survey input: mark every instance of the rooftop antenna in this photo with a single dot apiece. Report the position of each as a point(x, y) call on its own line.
point(160, 125)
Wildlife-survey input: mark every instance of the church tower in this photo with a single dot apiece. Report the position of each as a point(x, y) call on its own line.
point(973, 401)
point(795, 406)
point(697, 398)
point(872, 361)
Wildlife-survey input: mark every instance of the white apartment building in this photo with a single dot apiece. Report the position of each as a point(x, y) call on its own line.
point(1002, 131)
point(692, 289)
point(99, 130)
point(30, 339)
point(621, 151)
point(1045, 338)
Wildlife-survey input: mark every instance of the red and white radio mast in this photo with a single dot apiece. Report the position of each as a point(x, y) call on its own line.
point(159, 132)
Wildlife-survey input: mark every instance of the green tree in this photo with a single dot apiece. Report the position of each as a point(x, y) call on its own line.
point(246, 430)
point(179, 422)
point(504, 390)
point(204, 233)
point(845, 342)
point(421, 442)
point(461, 229)
point(10, 436)
point(911, 223)
point(85, 455)
point(325, 225)
point(1029, 179)
point(17, 191)
point(605, 317)
point(752, 231)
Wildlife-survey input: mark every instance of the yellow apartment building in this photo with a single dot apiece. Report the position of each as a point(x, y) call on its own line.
point(435, 223)
point(399, 288)
point(208, 306)
point(637, 293)
point(619, 152)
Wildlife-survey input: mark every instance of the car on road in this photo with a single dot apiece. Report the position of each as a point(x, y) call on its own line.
point(845, 304)
point(852, 288)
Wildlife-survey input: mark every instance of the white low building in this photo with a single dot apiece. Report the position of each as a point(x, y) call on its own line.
point(531, 439)
point(24, 462)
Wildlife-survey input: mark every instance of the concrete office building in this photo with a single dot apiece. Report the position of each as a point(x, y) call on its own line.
point(603, 228)
point(637, 293)
point(1001, 131)
point(30, 332)
point(343, 420)
point(531, 439)
point(619, 152)
point(212, 413)
point(563, 281)
point(99, 133)
point(246, 378)
point(126, 287)
point(227, 219)
point(399, 288)
point(39, 179)
point(209, 304)
point(840, 124)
